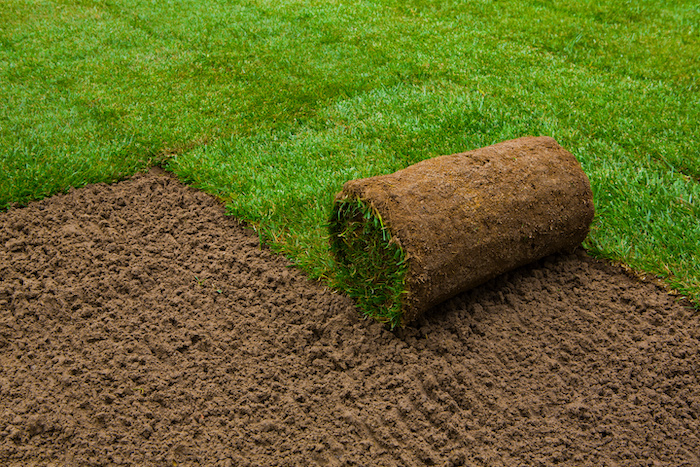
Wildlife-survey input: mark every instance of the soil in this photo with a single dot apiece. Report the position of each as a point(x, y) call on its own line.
point(139, 325)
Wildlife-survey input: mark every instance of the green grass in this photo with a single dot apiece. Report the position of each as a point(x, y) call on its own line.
point(273, 105)
point(371, 265)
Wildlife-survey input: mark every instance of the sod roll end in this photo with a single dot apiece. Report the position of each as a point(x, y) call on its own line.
point(407, 241)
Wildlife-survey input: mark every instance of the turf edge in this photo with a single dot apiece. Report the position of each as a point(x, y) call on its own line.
point(371, 265)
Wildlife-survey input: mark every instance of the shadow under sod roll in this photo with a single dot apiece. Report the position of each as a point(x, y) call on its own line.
point(406, 241)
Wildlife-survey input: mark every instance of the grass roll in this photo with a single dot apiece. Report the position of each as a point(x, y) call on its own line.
point(406, 241)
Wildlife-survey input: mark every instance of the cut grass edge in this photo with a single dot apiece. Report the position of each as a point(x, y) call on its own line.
point(371, 265)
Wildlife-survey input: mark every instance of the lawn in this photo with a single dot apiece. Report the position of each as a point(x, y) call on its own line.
point(272, 106)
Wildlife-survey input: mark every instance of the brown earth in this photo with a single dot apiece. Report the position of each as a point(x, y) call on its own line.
point(141, 326)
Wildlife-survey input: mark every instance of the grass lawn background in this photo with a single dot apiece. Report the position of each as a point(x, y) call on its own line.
point(273, 105)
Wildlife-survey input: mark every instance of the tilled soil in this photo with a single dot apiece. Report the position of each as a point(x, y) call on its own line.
point(141, 326)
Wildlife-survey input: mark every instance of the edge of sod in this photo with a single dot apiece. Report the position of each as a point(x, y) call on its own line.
point(371, 265)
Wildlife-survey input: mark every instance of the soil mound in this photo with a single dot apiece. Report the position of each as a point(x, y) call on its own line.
point(141, 326)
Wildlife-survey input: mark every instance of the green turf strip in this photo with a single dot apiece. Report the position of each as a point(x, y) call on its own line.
point(273, 105)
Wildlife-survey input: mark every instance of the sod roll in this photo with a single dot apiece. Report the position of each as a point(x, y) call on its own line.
point(407, 241)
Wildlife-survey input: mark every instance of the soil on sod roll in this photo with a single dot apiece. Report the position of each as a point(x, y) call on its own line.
point(409, 240)
point(141, 326)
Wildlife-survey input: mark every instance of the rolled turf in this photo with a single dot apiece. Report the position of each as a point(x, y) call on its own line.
point(407, 241)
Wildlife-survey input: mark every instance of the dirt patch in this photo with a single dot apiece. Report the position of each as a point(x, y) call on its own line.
point(140, 326)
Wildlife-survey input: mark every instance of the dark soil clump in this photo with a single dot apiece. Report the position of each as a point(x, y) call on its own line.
point(141, 326)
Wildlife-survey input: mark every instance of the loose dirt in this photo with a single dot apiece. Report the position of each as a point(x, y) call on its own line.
point(141, 326)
